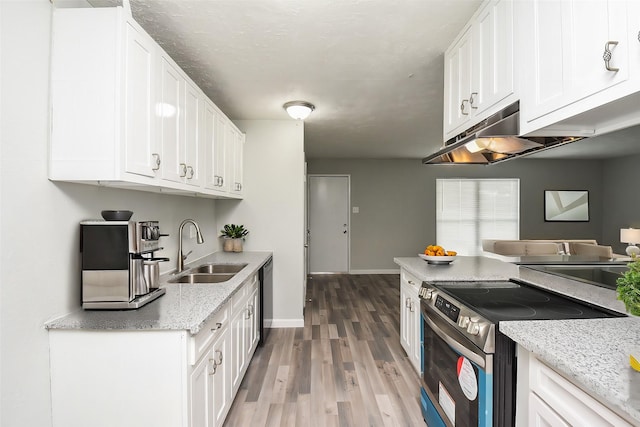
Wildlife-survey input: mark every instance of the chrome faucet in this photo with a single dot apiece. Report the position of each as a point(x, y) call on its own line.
point(200, 240)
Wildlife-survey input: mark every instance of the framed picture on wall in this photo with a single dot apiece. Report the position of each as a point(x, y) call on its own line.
point(562, 205)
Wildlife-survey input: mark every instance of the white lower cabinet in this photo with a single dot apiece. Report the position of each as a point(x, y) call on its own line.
point(210, 384)
point(546, 398)
point(244, 331)
point(410, 321)
point(160, 378)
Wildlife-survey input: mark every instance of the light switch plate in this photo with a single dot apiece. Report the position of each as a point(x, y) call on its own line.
point(355, 209)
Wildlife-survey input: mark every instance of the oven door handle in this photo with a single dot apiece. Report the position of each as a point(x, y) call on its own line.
point(457, 346)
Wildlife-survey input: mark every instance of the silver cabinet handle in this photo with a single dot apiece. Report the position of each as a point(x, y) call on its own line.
point(462, 107)
point(219, 356)
point(183, 170)
point(248, 315)
point(472, 99)
point(607, 55)
point(191, 172)
point(410, 282)
point(639, 36)
point(406, 302)
point(212, 367)
point(218, 326)
point(411, 307)
point(156, 160)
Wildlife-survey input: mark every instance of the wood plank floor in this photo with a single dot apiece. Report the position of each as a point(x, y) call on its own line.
point(344, 368)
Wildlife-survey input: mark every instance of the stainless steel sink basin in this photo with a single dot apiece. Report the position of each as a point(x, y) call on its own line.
point(218, 268)
point(202, 278)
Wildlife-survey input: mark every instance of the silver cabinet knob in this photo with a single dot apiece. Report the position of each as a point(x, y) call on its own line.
point(218, 361)
point(218, 326)
point(190, 172)
point(183, 170)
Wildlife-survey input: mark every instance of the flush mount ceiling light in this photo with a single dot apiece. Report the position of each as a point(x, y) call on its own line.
point(299, 110)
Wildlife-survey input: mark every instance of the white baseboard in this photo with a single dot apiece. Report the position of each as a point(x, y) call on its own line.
point(283, 323)
point(389, 271)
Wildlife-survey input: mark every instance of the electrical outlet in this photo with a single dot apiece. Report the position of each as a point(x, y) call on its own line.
point(355, 209)
point(192, 231)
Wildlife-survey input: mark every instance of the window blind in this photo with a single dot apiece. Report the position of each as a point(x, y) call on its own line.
point(469, 210)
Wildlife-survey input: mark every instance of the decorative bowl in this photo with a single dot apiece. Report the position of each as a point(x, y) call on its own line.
point(116, 215)
point(437, 259)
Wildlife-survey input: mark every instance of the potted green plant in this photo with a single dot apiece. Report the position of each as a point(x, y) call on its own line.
point(629, 288)
point(233, 236)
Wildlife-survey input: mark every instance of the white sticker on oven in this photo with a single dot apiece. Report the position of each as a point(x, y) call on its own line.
point(447, 403)
point(467, 378)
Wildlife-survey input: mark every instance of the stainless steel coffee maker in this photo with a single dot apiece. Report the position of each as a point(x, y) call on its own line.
point(119, 270)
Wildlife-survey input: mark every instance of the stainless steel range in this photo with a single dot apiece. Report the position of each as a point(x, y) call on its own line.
point(469, 365)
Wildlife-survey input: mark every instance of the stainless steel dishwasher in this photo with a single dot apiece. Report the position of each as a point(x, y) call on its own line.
point(266, 282)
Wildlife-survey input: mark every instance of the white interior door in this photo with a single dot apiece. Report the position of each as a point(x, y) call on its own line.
point(328, 223)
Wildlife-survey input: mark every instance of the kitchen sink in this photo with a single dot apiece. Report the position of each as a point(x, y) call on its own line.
point(202, 278)
point(218, 268)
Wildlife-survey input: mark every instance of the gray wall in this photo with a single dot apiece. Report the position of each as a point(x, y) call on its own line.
point(396, 201)
point(621, 199)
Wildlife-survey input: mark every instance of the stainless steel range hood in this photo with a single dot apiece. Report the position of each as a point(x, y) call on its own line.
point(494, 140)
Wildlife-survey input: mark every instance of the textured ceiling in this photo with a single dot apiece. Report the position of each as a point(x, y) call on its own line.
point(373, 68)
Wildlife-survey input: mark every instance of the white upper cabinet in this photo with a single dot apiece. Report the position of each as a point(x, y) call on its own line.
point(581, 59)
point(479, 75)
point(124, 114)
point(569, 40)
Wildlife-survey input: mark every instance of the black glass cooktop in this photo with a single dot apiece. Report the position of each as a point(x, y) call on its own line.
point(510, 300)
point(598, 275)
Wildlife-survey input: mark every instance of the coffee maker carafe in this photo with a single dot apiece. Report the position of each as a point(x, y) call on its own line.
point(118, 267)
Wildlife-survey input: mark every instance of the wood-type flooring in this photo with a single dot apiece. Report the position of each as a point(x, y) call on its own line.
point(344, 368)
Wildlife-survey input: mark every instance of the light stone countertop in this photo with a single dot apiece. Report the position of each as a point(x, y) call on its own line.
point(183, 307)
point(463, 268)
point(593, 353)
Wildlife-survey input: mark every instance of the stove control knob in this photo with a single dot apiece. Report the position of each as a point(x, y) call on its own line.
point(473, 328)
point(463, 321)
point(426, 293)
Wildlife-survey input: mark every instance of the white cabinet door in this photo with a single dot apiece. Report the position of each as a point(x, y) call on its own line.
point(493, 78)
point(193, 147)
point(567, 42)
point(238, 352)
point(253, 333)
point(201, 390)
point(238, 150)
point(221, 397)
point(541, 415)
point(458, 72)
point(171, 135)
point(139, 117)
point(416, 341)
point(405, 319)
point(221, 155)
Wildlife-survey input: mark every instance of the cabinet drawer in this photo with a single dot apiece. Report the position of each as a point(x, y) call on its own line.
point(210, 331)
point(240, 297)
point(411, 280)
point(569, 401)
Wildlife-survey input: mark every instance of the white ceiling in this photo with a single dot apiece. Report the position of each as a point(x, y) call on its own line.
point(373, 68)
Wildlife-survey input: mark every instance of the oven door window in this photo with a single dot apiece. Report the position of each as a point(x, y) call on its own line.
point(460, 390)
